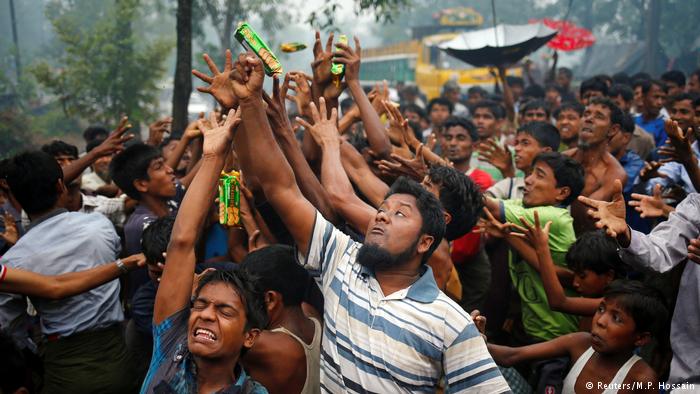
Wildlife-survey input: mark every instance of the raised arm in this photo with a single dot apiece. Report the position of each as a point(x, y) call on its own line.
point(507, 95)
point(558, 301)
point(113, 144)
point(219, 82)
point(565, 345)
point(191, 133)
point(66, 285)
point(336, 182)
point(271, 168)
point(306, 179)
point(377, 138)
point(175, 286)
point(357, 169)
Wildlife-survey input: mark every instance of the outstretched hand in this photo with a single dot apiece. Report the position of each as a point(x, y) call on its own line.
point(217, 138)
point(350, 58)
point(219, 82)
point(157, 130)
point(651, 170)
point(650, 207)
point(414, 168)
point(492, 226)
point(248, 76)
point(610, 215)
point(537, 235)
point(276, 106)
point(323, 130)
point(321, 66)
point(114, 143)
point(498, 156)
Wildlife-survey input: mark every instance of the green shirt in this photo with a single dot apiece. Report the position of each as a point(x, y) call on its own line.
point(539, 320)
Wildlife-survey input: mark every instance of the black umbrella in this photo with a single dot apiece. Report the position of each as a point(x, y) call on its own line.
point(504, 44)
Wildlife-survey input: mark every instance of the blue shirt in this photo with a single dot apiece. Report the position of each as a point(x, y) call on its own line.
point(173, 369)
point(403, 342)
point(59, 243)
point(633, 165)
point(654, 126)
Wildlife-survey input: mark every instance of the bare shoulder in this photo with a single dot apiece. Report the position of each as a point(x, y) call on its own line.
point(579, 342)
point(643, 378)
point(277, 347)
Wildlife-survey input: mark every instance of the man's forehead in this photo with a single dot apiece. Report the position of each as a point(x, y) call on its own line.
point(598, 108)
point(401, 199)
point(221, 293)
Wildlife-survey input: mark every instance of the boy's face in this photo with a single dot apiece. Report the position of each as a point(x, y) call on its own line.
point(590, 284)
point(620, 102)
point(457, 144)
point(673, 89)
point(541, 187)
point(439, 114)
point(535, 114)
point(694, 84)
point(161, 180)
point(614, 330)
point(596, 126)
point(569, 124)
point(64, 159)
point(216, 327)
point(485, 122)
point(526, 148)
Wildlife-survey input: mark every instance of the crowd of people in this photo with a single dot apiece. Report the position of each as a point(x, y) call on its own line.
point(372, 240)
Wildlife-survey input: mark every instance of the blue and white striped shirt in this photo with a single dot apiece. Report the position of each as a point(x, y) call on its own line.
point(404, 342)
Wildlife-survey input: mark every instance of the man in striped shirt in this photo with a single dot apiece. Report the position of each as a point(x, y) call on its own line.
point(387, 327)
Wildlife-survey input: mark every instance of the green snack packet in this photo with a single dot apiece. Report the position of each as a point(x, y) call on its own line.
point(338, 69)
point(252, 42)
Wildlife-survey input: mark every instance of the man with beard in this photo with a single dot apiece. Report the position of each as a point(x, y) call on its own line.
point(602, 120)
point(387, 327)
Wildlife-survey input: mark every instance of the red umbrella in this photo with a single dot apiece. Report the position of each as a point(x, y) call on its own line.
point(570, 37)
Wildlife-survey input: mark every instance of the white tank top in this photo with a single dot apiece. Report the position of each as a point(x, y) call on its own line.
point(313, 358)
point(572, 376)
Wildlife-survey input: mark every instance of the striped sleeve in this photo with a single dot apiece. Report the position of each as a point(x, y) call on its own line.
point(326, 250)
point(469, 366)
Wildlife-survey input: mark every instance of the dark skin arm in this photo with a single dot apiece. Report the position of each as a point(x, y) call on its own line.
point(377, 138)
point(274, 174)
point(572, 345)
point(308, 182)
point(357, 169)
point(556, 298)
point(113, 144)
point(507, 95)
point(191, 133)
point(678, 148)
point(56, 287)
point(175, 287)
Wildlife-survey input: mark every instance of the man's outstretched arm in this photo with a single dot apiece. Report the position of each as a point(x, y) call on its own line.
point(264, 156)
point(175, 286)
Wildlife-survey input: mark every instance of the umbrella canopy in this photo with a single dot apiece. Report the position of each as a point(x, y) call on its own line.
point(570, 37)
point(504, 44)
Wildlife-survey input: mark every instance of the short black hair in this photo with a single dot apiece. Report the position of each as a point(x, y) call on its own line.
point(460, 197)
point(621, 90)
point(512, 80)
point(645, 304)
point(95, 131)
point(641, 75)
point(495, 108)
point(566, 71)
point(441, 101)
point(605, 78)
point(696, 73)
point(58, 147)
point(596, 84)
point(595, 251)
point(675, 76)
point(535, 91)
point(277, 269)
point(534, 104)
point(430, 209)
point(543, 132)
point(567, 171)
point(575, 106)
point(648, 83)
point(132, 164)
point(467, 124)
point(553, 86)
point(247, 288)
point(681, 97)
point(415, 109)
point(32, 177)
point(155, 239)
point(628, 125)
point(477, 90)
point(615, 111)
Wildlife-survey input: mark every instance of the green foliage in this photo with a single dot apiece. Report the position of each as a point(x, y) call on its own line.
point(105, 69)
point(385, 11)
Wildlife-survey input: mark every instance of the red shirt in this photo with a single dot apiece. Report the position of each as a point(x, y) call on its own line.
point(468, 245)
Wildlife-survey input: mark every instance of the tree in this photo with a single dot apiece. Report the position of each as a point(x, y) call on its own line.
point(105, 69)
point(183, 64)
